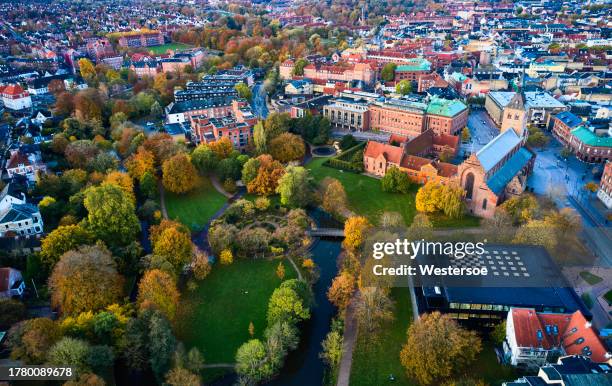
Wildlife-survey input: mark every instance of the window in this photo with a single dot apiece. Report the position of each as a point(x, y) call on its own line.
point(469, 185)
point(484, 204)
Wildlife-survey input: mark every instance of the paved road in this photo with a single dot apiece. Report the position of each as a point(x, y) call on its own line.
point(259, 104)
point(362, 135)
point(482, 130)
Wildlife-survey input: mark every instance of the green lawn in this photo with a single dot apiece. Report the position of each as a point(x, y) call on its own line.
point(196, 208)
point(374, 360)
point(215, 317)
point(590, 278)
point(160, 50)
point(367, 198)
point(588, 300)
point(608, 297)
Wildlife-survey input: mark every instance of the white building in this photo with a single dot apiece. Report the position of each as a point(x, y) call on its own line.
point(14, 97)
point(11, 283)
point(16, 215)
point(27, 164)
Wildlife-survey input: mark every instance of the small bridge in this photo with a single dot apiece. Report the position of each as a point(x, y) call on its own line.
point(326, 232)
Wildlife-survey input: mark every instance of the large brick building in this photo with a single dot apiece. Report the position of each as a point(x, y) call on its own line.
point(237, 126)
point(348, 114)
point(605, 186)
point(339, 72)
point(413, 70)
point(410, 117)
point(141, 39)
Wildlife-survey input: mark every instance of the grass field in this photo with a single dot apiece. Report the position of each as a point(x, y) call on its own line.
point(196, 208)
point(215, 317)
point(374, 360)
point(608, 297)
point(160, 50)
point(590, 278)
point(367, 198)
point(587, 299)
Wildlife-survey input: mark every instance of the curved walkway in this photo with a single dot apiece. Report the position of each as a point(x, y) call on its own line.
point(348, 342)
point(219, 187)
point(162, 199)
point(220, 366)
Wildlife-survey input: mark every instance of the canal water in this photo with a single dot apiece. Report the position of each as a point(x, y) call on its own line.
point(303, 365)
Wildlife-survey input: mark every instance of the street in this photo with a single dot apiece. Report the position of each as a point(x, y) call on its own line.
point(482, 131)
point(259, 100)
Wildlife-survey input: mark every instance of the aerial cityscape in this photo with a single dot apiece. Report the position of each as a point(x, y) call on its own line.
point(299, 192)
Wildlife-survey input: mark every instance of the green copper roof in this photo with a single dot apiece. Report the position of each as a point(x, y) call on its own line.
point(417, 64)
point(588, 137)
point(445, 107)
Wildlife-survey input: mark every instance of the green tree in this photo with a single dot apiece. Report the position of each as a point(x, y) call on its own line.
point(251, 363)
point(243, 91)
point(110, 215)
point(72, 351)
point(293, 187)
point(332, 349)
point(11, 312)
point(404, 87)
point(161, 344)
point(395, 181)
point(249, 170)
point(437, 348)
point(298, 68)
point(281, 337)
point(286, 305)
point(388, 72)
point(204, 159)
point(499, 333)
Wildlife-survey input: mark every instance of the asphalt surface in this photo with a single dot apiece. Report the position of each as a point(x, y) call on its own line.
point(259, 100)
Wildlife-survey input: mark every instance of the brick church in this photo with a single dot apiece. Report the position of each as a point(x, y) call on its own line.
point(499, 170)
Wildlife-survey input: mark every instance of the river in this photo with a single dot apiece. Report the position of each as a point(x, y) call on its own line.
point(303, 366)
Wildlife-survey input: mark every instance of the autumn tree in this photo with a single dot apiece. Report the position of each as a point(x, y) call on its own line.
point(373, 308)
point(179, 376)
point(162, 146)
point(436, 197)
point(62, 240)
point(140, 162)
point(173, 242)
point(341, 290)
point(157, 290)
point(537, 232)
point(287, 147)
point(521, 208)
point(334, 197)
point(251, 364)
point(31, 339)
point(437, 349)
point(110, 215)
point(179, 174)
point(79, 153)
point(268, 174)
point(298, 68)
point(64, 104)
point(85, 279)
point(465, 134)
point(286, 304)
point(222, 147)
point(123, 181)
point(88, 105)
point(87, 69)
point(355, 229)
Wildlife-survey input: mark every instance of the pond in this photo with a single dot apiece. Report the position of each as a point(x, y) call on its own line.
point(324, 151)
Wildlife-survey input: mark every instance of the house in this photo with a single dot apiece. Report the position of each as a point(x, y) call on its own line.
point(571, 370)
point(145, 68)
point(536, 338)
point(143, 38)
point(26, 161)
point(14, 97)
point(605, 186)
point(11, 283)
point(299, 87)
point(563, 124)
point(540, 106)
point(17, 217)
point(237, 126)
point(40, 116)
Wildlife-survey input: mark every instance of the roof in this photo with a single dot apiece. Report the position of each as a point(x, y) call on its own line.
point(534, 329)
point(498, 181)
point(587, 137)
point(414, 163)
point(391, 153)
point(17, 159)
point(493, 152)
point(533, 99)
point(18, 212)
point(12, 89)
point(445, 107)
point(569, 119)
point(416, 64)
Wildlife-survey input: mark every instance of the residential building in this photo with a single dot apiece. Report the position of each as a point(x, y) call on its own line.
point(17, 217)
point(237, 126)
point(11, 283)
point(605, 186)
point(425, 82)
point(26, 162)
point(563, 124)
point(144, 38)
point(299, 87)
point(348, 114)
point(413, 70)
point(540, 106)
point(145, 68)
point(534, 338)
point(571, 370)
point(181, 112)
point(14, 97)
point(340, 72)
point(205, 90)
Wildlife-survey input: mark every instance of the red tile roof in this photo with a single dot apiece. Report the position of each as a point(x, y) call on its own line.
point(391, 153)
point(16, 159)
point(414, 162)
point(12, 90)
point(575, 333)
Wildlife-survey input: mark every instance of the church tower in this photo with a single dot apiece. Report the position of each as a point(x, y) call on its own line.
point(515, 116)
